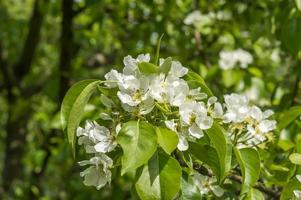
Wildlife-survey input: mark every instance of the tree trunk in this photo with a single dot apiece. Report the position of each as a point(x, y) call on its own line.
point(17, 123)
point(67, 47)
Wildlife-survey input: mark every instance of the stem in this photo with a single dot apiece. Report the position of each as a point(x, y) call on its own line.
point(272, 193)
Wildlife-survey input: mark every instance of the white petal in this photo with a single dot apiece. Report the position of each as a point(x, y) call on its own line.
point(267, 114)
point(195, 131)
point(204, 122)
point(177, 69)
point(256, 113)
point(218, 110)
point(113, 76)
point(211, 100)
point(267, 125)
point(183, 144)
point(143, 57)
point(298, 178)
point(102, 147)
point(127, 99)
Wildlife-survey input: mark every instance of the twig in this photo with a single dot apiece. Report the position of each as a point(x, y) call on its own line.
point(274, 194)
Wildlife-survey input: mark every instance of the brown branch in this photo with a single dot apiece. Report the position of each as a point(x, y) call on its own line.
point(23, 65)
point(5, 73)
point(275, 194)
point(67, 47)
point(16, 125)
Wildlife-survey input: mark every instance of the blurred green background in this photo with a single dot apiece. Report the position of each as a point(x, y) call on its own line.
point(47, 45)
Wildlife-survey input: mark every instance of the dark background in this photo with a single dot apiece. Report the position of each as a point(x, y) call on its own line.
point(47, 45)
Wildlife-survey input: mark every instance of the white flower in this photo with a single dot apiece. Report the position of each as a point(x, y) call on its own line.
point(177, 69)
point(113, 77)
point(264, 125)
point(267, 126)
point(195, 112)
point(229, 59)
point(95, 138)
point(207, 184)
point(183, 143)
point(237, 108)
point(98, 174)
point(226, 60)
point(193, 17)
point(134, 91)
point(131, 64)
point(217, 109)
point(198, 19)
point(169, 89)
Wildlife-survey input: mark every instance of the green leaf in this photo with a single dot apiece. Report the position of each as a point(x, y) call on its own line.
point(206, 154)
point(218, 141)
point(254, 194)
point(139, 142)
point(73, 106)
point(158, 49)
point(167, 139)
point(289, 116)
point(160, 178)
point(287, 192)
point(286, 144)
point(249, 162)
point(290, 34)
point(295, 158)
point(298, 4)
point(165, 67)
point(195, 80)
point(148, 68)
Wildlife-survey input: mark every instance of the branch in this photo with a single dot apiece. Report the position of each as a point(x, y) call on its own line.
point(275, 194)
point(6, 75)
point(23, 65)
point(66, 47)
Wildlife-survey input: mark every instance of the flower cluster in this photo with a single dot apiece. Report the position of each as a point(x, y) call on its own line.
point(186, 111)
point(230, 59)
point(96, 140)
point(206, 184)
point(249, 125)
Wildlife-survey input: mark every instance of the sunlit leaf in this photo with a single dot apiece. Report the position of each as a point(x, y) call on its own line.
point(139, 142)
point(160, 179)
point(295, 158)
point(249, 162)
point(289, 116)
point(73, 106)
point(167, 139)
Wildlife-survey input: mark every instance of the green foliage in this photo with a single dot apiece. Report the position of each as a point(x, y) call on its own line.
point(196, 80)
point(291, 185)
point(295, 158)
point(139, 142)
point(249, 163)
point(167, 139)
point(160, 178)
point(147, 68)
point(269, 30)
point(73, 107)
point(289, 116)
point(218, 140)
